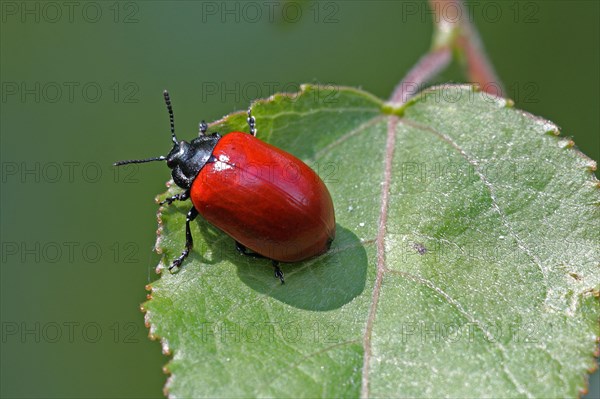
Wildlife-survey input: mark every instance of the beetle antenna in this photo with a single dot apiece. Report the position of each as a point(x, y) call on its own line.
point(171, 117)
point(161, 158)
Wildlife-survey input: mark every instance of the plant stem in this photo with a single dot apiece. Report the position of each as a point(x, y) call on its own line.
point(453, 32)
point(427, 68)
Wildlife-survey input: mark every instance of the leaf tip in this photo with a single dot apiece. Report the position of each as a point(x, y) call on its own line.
point(591, 166)
point(166, 349)
point(160, 267)
point(566, 143)
point(159, 231)
point(546, 126)
point(149, 326)
point(583, 391)
point(501, 102)
point(553, 132)
point(166, 391)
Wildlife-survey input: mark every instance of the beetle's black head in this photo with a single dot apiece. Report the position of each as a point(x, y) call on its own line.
point(185, 159)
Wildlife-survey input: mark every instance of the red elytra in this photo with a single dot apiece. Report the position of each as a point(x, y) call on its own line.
point(266, 199)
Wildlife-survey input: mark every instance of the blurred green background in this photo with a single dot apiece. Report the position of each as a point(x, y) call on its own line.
point(81, 88)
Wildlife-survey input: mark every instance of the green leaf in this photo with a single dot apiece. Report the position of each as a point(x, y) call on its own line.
point(466, 262)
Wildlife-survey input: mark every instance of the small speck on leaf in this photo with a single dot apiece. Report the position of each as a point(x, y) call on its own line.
point(420, 248)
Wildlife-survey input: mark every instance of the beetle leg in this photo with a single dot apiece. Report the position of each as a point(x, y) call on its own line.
point(278, 272)
point(241, 248)
point(177, 197)
point(244, 251)
point(251, 122)
point(189, 242)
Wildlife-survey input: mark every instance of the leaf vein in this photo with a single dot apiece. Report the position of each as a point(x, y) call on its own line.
point(467, 315)
point(503, 218)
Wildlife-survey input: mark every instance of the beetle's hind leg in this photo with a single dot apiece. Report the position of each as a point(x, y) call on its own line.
point(278, 272)
point(244, 251)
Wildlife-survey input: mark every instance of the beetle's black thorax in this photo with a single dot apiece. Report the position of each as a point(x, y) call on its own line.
point(187, 159)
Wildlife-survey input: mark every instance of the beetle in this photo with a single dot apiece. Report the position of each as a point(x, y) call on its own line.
point(270, 202)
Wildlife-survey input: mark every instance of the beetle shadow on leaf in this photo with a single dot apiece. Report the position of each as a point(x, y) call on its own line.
point(322, 283)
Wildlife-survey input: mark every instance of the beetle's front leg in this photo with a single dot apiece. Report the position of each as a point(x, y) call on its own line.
point(189, 242)
point(177, 197)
